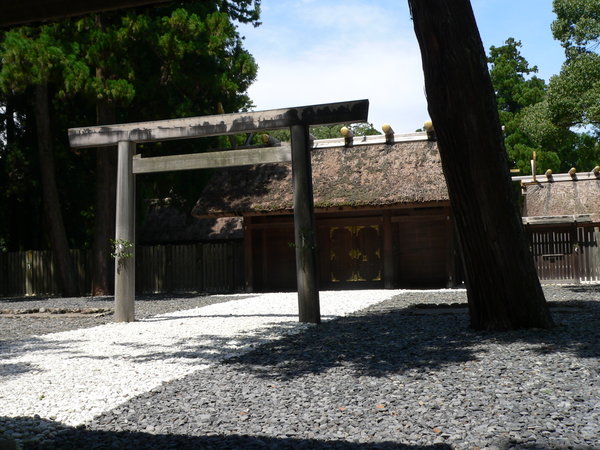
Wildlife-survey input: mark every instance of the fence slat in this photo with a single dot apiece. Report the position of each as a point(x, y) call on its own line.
point(570, 256)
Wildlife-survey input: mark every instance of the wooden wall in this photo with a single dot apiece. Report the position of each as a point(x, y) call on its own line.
point(367, 249)
point(421, 251)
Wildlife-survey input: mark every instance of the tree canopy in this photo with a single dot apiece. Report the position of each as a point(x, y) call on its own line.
point(517, 88)
point(143, 64)
point(559, 120)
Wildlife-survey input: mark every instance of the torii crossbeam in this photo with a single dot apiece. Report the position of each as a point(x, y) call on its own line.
point(297, 119)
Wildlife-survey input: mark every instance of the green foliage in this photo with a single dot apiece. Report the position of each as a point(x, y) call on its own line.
point(174, 60)
point(577, 25)
point(121, 249)
point(508, 72)
point(330, 131)
point(516, 92)
point(30, 56)
point(574, 94)
point(539, 118)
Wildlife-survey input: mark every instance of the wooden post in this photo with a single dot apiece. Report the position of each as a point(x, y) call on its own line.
point(304, 227)
point(576, 254)
point(29, 290)
point(125, 233)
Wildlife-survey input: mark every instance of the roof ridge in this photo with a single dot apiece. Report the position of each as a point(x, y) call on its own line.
point(372, 139)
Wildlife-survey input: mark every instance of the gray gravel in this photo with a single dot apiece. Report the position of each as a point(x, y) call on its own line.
point(19, 326)
point(404, 373)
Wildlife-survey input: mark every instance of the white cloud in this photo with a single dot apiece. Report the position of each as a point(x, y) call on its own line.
point(338, 51)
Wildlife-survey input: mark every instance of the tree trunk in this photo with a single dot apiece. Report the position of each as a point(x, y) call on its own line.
point(52, 208)
point(104, 225)
point(106, 194)
point(503, 289)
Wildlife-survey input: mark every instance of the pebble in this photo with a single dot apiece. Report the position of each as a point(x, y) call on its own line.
point(391, 375)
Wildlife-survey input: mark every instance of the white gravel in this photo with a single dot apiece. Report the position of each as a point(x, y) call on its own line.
point(73, 376)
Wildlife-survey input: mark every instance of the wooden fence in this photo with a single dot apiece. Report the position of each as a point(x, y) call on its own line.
point(205, 267)
point(212, 268)
point(566, 255)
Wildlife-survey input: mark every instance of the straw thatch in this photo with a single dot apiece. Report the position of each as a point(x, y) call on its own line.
point(166, 224)
point(362, 176)
point(562, 198)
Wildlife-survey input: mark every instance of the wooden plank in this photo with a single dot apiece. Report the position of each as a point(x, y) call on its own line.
point(229, 158)
point(595, 257)
point(29, 273)
point(576, 253)
point(218, 125)
point(583, 237)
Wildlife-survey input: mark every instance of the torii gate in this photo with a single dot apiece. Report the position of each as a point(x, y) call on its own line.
point(298, 120)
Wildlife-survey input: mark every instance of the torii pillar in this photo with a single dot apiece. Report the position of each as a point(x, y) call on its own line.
point(304, 227)
point(125, 232)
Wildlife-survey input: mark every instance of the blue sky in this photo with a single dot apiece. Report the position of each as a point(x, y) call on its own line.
point(320, 51)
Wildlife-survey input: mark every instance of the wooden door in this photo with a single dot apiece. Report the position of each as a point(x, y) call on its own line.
point(354, 255)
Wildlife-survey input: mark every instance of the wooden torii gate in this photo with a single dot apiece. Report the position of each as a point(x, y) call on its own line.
point(298, 120)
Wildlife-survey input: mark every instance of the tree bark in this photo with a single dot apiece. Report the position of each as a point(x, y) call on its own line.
point(104, 225)
point(503, 289)
point(106, 194)
point(52, 207)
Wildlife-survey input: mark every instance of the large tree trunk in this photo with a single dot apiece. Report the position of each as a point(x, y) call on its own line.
point(106, 195)
point(502, 285)
point(52, 208)
point(104, 225)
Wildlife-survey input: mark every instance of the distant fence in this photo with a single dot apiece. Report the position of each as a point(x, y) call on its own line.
point(566, 255)
point(561, 256)
point(214, 267)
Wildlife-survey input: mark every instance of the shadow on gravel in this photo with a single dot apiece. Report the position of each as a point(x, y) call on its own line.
point(415, 339)
point(81, 438)
point(18, 347)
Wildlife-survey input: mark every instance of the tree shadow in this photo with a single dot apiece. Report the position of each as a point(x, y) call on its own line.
point(211, 348)
point(59, 436)
point(584, 288)
point(417, 338)
point(390, 339)
point(15, 348)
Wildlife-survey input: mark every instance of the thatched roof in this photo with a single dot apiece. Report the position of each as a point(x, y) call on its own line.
point(166, 224)
point(562, 198)
point(364, 175)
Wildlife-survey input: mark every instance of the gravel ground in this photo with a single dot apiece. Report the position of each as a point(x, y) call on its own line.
point(17, 326)
point(402, 373)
